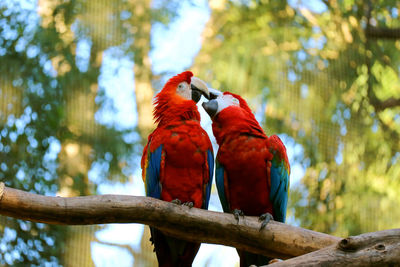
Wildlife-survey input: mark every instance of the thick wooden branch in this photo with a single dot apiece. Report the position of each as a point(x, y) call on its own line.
point(382, 33)
point(388, 103)
point(276, 240)
point(372, 249)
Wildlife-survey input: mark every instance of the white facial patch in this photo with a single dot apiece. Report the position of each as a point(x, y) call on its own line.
point(215, 92)
point(183, 89)
point(225, 101)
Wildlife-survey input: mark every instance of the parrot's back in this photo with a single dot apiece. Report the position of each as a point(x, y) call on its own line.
point(245, 161)
point(247, 186)
point(252, 170)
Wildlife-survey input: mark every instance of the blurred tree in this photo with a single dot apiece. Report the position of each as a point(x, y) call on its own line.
point(141, 30)
point(327, 85)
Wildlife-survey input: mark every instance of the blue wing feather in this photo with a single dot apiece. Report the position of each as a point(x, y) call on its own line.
point(219, 180)
point(279, 188)
point(210, 161)
point(153, 186)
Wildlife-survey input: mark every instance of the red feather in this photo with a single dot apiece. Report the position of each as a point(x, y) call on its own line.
point(170, 106)
point(245, 153)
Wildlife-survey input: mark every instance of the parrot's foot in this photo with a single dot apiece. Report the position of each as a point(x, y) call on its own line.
point(179, 202)
point(237, 213)
point(265, 219)
point(188, 204)
point(176, 201)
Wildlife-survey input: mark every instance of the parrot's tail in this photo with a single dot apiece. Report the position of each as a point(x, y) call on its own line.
point(247, 259)
point(172, 252)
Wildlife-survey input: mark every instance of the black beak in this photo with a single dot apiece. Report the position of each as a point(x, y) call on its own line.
point(196, 93)
point(212, 96)
point(211, 107)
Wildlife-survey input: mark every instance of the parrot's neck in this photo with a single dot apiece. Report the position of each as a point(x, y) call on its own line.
point(166, 113)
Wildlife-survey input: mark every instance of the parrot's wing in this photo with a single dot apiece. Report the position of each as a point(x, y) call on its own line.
point(210, 163)
point(279, 174)
point(220, 181)
point(153, 162)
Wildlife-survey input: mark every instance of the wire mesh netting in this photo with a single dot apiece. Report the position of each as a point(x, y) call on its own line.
point(312, 72)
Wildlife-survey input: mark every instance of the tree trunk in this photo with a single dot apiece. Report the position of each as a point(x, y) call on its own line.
point(75, 156)
point(141, 29)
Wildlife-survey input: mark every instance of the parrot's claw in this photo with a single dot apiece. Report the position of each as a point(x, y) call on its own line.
point(179, 202)
point(188, 204)
point(265, 219)
point(237, 213)
point(176, 201)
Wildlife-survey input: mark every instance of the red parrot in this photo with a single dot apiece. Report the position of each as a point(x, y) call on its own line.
point(178, 161)
point(252, 169)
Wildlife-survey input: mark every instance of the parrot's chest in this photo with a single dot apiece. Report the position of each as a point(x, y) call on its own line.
point(184, 156)
point(185, 146)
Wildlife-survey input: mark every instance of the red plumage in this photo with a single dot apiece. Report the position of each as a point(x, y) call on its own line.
point(185, 171)
point(171, 106)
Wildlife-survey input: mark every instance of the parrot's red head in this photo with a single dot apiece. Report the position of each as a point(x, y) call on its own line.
point(230, 113)
point(178, 98)
point(226, 100)
point(242, 102)
point(170, 88)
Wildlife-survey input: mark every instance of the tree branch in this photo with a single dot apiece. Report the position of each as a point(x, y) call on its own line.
point(388, 103)
point(382, 33)
point(276, 240)
point(372, 249)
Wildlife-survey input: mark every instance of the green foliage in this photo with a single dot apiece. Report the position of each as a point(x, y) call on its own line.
point(322, 82)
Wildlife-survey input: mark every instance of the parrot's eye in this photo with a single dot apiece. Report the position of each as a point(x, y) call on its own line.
point(183, 90)
point(181, 87)
point(236, 101)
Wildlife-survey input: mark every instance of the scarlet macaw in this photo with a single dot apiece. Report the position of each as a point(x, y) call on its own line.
point(252, 169)
point(178, 161)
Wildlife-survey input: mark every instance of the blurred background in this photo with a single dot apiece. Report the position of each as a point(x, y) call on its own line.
point(76, 85)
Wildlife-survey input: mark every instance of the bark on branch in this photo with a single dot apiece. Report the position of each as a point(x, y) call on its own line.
point(276, 240)
point(382, 33)
point(372, 249)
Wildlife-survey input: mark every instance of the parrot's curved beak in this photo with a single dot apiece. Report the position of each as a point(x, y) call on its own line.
point(198, 88)
point(211, 107)
point(214, 93)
